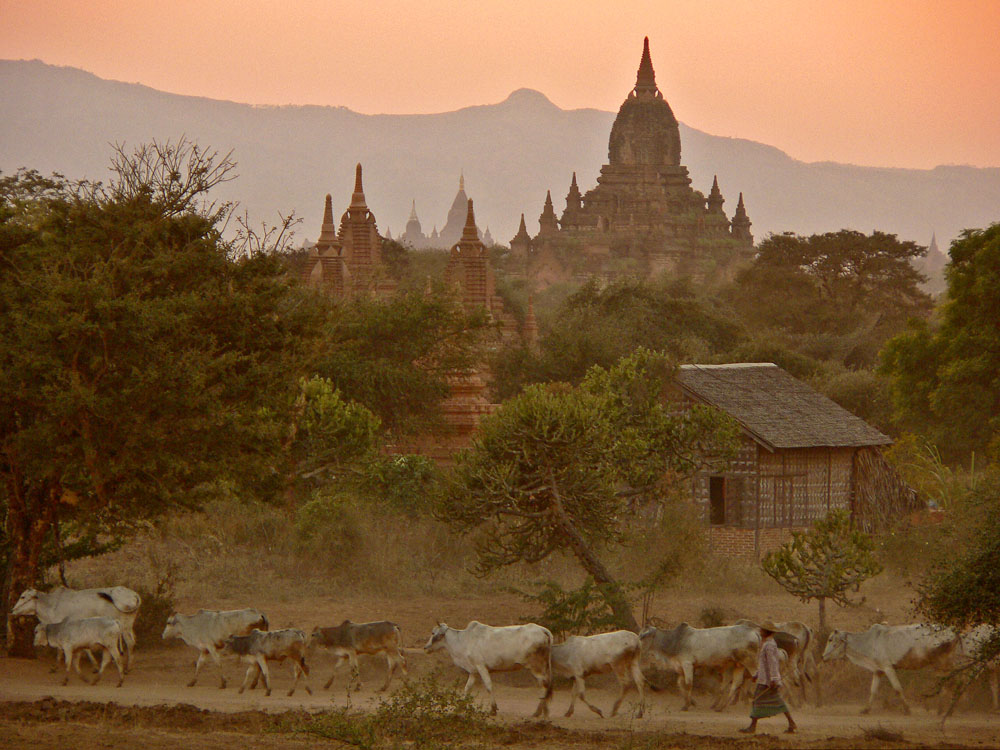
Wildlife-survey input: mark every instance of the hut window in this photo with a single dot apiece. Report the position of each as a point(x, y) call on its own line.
point(717, 500)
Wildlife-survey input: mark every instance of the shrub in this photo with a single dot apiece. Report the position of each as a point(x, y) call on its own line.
point(577, 611)
point(328, 524)
point(158, 604)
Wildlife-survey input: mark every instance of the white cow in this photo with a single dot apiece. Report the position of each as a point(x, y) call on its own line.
point(259, 647)
point(72, 637)
point(882, 649)
point(60, 604)
point(207, 631)
point(730, 648)
point(579, 656)
point(480, 649)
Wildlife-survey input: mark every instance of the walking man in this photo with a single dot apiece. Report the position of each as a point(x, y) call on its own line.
point(767, 700)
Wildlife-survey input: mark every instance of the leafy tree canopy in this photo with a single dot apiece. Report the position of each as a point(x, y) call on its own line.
point(395, 356)
point(945, 378)
point(600, 325)
point(860, 288)
point(143, 358)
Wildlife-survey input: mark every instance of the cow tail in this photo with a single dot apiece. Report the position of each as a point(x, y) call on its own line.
point(265, 623)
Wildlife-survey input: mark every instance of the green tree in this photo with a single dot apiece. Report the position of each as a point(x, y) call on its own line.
point(829, 561)
point(945, 378)
point(395, 356)
point(553, 469)
point(860, 288)
point(329, 438)
point(145, 362)
point(598, 325)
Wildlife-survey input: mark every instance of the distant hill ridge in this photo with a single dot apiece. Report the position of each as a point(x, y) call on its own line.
point(64, 119)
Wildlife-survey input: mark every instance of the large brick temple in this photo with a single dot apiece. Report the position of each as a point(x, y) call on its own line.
point(643, 215)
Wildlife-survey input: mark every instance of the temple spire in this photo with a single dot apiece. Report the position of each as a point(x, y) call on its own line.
point(461, 180)
point(358, 199)
point(741, 223)
point(548, 224)
point(645, 79)
point(328, 231)
point(470, 233)
point(413, 211)
point(715, 199)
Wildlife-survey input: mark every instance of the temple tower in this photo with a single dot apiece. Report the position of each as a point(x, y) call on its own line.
point(520, 245)
point(574, 203)
point(324, 267)
point(468, 266)
point(452, 231)
point(741, 223)
point(548, 224)
point(414, 235)
point(715, 199)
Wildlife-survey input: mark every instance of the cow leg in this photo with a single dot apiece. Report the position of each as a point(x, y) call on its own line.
point(580, 686)
point(262, 667)
point(469, 683)
point(401, 657)
point(70, 658)
point(686, 679)
point(390, 666)
point(876, 678)
point(622, 675)
point(355, 669)
point(106, 658)
point(197, 667)
point(340, 659)
point(116, 657)
point(75, 658)
point(299, 665)
point(894, 681)
point(484, 675)
point(738, 674)
point(129, 637)
point(246, 678)
point(812, 673)
point(635, 669)
point(721, 699)
point(218, 663)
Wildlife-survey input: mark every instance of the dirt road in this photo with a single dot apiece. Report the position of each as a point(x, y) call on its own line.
point(157, 686)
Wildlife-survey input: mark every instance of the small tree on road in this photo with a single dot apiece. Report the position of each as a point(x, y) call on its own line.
point(827, 562)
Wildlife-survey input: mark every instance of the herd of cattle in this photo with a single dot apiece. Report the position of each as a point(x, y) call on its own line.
point(102, 621)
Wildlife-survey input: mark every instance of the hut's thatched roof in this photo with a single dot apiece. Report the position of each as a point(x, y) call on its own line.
point(778, 410)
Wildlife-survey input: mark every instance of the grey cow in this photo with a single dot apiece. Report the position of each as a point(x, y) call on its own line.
point(260, 647)
point(73, 637)
point(349, 639)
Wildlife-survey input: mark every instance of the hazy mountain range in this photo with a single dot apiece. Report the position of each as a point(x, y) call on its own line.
point(64, 119)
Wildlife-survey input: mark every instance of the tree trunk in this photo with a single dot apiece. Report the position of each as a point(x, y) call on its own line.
point(29, 520)
point(822, 614)
point(615, 596)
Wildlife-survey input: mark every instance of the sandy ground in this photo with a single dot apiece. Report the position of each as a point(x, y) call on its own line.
point(158, 682)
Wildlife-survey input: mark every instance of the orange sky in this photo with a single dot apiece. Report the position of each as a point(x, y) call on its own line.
point(910, 83)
